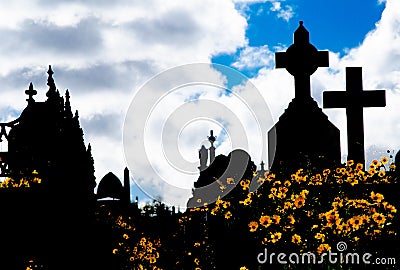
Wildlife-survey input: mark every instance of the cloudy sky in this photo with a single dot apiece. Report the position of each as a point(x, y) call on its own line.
point(107, 52)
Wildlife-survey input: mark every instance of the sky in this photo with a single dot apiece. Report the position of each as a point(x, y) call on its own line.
point(112, 54)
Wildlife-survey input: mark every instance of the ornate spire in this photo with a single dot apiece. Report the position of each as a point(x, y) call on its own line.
point(52, 92)
point(30, 92)
point(68, 111)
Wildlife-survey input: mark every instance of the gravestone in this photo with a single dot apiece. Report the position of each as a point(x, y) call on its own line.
point(354, 100)
point(303, 136)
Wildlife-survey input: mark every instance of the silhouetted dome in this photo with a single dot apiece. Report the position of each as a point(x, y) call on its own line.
point(109, 186)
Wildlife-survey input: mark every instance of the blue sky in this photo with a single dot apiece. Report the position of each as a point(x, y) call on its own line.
point(105, 51)
point(334, 25)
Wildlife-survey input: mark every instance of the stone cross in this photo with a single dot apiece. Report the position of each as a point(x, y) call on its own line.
point(354, 100)
point(301, 60)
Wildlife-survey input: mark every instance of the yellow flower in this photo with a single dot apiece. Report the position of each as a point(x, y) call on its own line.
point(350, 163)
point(331, 217)
point(152, 259)
point(320, 236)
point(275, 236)
point(356, 222)
point(265, 221)
point(291, 219)
point(379, 218)
point(115, 251)
point(244, 268)
point(384, 160)
point(326, 172)
point(323, 247)
point(246, 201)
point(125, 236)
point(245, 184)
point(196, 261)
point(197, 244)
point(376, 196)
point(375, 162)
point(381, 173)
point(299, 202)
point(143, 241)
point(296, 239)
point(226, 204)
point(276, 218)
point(390, 208)
point(359, 166)
point(253, 226)
point(228, 215)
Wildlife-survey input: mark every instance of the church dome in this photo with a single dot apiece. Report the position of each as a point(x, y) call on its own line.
point(109, 187)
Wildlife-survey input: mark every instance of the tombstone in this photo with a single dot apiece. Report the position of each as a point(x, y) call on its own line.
point(354, 100)
point(303, 136)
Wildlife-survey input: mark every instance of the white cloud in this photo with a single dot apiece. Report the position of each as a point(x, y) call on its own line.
point(103, 52)
point(254, 57)
point(285, 12)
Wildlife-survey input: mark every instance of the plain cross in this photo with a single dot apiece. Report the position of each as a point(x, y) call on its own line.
point(354, 100)
point(301, 60)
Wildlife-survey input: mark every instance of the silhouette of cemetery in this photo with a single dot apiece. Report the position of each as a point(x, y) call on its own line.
point(46, 142)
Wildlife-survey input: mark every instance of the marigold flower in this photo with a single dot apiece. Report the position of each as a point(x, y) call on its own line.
point(228, 215)
point(390, 208)
point(384, 160)
point(355, 222)
point(275, 236)
point(276, 218)
point(323, 247)
point(253, 226)
point(296, 239)
point(376, 196)
point(350, 163)
point(265, 221)
point(379, 218)
point(299, 202)
point(359, 166)
point(125, 236)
